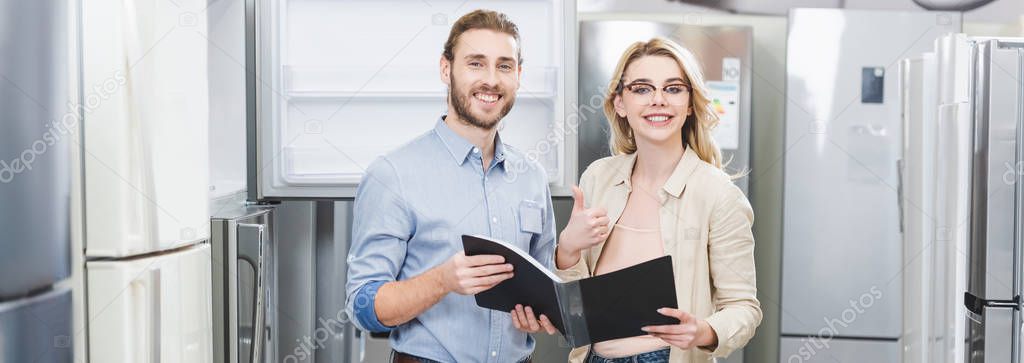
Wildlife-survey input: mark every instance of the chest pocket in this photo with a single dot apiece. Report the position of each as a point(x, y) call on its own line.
point(530, 218)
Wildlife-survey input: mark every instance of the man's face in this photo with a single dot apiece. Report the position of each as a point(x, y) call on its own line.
point(483, 77)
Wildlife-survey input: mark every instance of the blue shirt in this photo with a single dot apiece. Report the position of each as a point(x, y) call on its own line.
point(411, 210)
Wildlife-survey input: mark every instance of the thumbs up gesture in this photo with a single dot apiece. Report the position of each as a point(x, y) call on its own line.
point(587, 227)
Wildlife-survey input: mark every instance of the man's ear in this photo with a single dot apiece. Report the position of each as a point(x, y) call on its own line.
point(446, 70)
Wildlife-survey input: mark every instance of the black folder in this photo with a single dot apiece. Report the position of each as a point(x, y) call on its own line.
point(591, 310)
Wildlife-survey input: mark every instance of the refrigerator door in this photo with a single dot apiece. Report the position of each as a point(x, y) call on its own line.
point(838, 351)
point(842, 250)
point(37, 127)
point(244, 290)
point(145, 148)
point(916, 188)
point(951, 197)
point(723, 51)
point(37, 328)
point(335, 89)
point(993, 292)
point(151, 309)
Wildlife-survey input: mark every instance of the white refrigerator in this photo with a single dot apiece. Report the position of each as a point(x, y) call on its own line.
point(147, 285)
point(843, 261)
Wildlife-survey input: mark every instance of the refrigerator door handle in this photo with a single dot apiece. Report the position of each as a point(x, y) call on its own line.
point(146, 297)
point(254, 234)
point(900, 166)
point(977, 305)
point(155, 314)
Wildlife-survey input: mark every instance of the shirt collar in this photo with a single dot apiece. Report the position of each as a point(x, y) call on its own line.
point(676, 182)
point(460, 148)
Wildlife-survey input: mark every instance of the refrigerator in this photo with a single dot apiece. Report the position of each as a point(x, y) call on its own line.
point(992, 299)
point(36, 88)
point(934, 190)
point(329, 89)
point(145, 180)
point(843, 252)
point(725, 55)
point(969, 92)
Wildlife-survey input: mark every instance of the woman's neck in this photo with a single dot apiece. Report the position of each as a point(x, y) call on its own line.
point(655, 163)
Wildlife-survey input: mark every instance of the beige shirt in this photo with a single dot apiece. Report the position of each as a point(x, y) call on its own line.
point(705, 226)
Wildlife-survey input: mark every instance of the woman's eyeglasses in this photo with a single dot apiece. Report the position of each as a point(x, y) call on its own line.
point(642, 92)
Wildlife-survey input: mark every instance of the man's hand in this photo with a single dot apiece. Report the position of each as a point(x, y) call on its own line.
point(469, 275)
point(524, 320)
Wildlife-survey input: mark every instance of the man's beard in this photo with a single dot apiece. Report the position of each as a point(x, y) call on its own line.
point(460, 102)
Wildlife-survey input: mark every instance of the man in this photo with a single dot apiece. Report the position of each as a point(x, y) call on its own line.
point(407, 272)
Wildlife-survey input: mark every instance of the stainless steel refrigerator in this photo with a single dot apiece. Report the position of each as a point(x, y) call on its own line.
point(994, 249)
point(969, 98)
point(36, 91)
point(843, 260)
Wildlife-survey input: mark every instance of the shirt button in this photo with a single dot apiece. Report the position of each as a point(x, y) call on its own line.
point(494, 219)
point(476, 150)
point(494, 354)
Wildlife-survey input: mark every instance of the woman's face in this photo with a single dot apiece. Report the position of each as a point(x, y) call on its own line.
point(655, 99)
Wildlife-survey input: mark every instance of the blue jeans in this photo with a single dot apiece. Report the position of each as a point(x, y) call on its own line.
point(657, 356)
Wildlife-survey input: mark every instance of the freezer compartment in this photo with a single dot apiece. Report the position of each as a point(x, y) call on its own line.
point(37, 129)
point(37, 328)
point(322, 116)
point(146, 150)
point(837, 350)
point(152, 308)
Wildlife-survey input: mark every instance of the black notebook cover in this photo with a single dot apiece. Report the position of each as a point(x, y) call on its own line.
point(530, 285)
point(615, 305)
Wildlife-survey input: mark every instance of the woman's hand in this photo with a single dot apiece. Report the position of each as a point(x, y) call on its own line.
point(587, 227)
point(689, 333)
point(524, 320)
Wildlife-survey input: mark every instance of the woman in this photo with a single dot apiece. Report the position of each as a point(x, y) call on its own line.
point(664, 192)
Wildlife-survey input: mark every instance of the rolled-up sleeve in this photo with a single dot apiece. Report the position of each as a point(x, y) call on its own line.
point(381, 227)
point(731, 257)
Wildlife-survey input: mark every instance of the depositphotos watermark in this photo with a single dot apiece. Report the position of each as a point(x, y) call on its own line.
point(58, 129)
point(814, 345)
point(556, 135)
point(326, 329)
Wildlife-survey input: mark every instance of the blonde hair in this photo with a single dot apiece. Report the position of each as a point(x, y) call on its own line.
point(697, 126)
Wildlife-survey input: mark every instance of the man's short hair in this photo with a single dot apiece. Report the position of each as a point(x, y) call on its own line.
point(482, 19)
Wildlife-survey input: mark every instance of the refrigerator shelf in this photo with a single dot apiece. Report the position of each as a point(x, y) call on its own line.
point(395, 82)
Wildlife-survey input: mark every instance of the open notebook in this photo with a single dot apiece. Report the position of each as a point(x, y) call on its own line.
point(594, 309)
